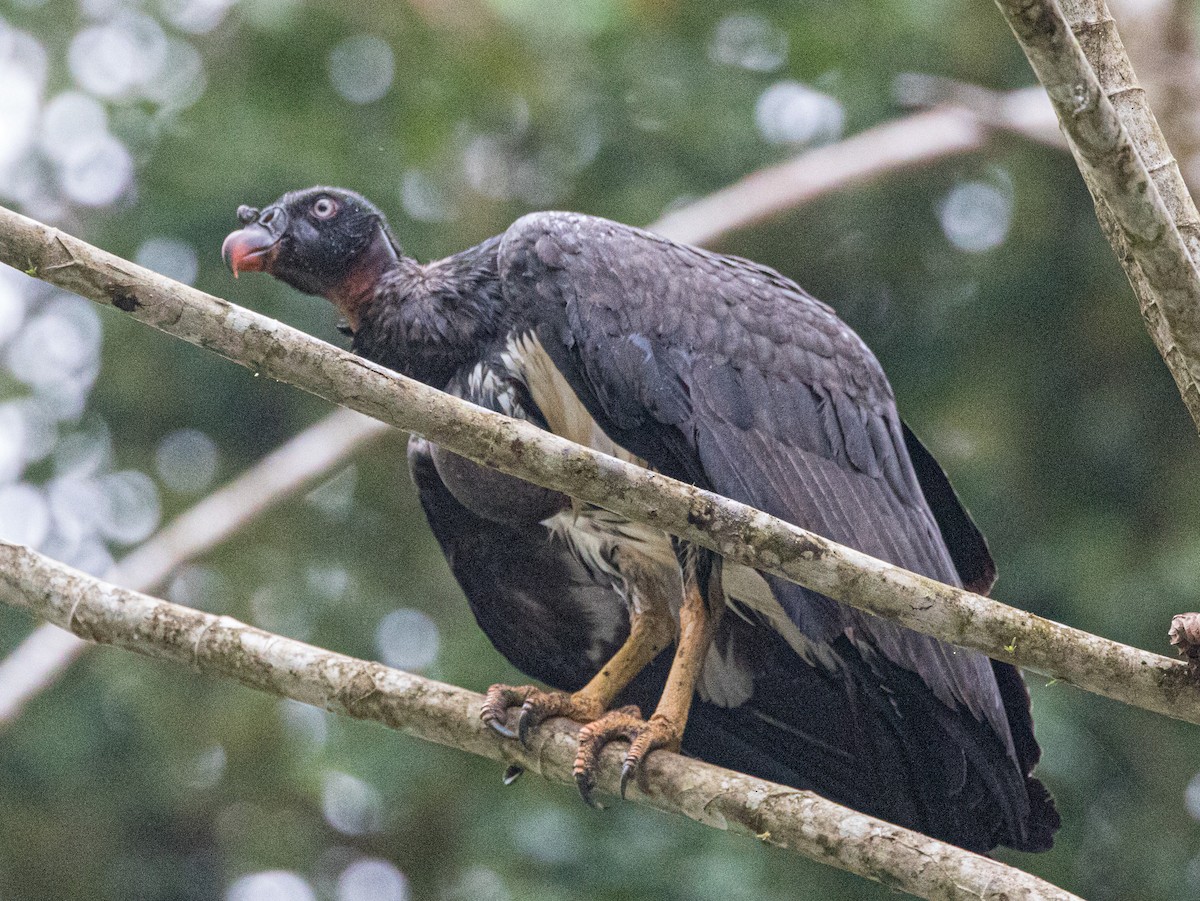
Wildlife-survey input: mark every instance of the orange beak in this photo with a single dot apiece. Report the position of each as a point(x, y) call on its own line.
point(250, 249)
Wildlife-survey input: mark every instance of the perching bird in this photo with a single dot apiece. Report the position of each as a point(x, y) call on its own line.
point(725, 374)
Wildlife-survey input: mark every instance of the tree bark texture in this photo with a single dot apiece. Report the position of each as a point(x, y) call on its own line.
point(916, 140)
point(799, 821)
point(1142, 204)
point(734, 530)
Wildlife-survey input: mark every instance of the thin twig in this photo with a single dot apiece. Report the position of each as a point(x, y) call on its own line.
point(792, 819)
point(734, 530)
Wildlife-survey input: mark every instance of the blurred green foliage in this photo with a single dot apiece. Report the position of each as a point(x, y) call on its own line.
point(982, 283)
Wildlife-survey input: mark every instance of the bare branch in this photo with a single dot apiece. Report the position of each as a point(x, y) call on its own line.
point(916, 140)
point(792, 819)
point(46, 653)
point(734, 530)
point(1094, 28)
point(1161, 39)
point(1150, 220)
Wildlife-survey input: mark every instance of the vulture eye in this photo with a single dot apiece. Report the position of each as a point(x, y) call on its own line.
point(324, 208)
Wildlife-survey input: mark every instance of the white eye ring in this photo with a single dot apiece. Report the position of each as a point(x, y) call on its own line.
point(324, 208)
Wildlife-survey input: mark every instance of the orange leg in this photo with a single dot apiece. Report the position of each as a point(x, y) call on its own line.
point(650, 631)
point(665, 727)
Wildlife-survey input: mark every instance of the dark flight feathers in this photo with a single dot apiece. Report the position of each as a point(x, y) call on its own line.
point(775, 403)
point(725, 374)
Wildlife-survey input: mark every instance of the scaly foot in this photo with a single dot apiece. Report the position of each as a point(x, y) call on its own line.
point(624, 724)
point(537, 705)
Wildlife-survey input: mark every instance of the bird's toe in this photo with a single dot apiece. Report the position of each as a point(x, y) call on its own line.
point(496, 703)
point(536, 706)
point(625, 724)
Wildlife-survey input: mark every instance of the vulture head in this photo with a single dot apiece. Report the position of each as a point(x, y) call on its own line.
point(325, 241)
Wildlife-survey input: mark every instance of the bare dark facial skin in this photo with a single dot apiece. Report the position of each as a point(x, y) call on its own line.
point(323, 241)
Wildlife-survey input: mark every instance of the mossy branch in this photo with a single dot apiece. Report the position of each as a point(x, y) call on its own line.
point(916, 140)
point(797, 820)
point(734, 530)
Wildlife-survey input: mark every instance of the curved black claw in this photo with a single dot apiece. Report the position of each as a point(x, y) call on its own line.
point(586, 783)
point(512, 773)
point(526, 721)
point(625, 724)
point(495, 707)
point(616, 725)
point(628, 771)
point(500, 728)
point(537, 705)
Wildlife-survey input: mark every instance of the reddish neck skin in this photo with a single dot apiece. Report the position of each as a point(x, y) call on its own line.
point(357, 288)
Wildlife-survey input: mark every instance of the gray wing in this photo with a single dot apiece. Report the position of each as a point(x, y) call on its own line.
point(727, 374)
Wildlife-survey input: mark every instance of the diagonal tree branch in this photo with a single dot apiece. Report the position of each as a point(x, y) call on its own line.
point(960, 126)
point(303, 461)
point(1148, 218)
point(907, 143)
point(1096, 31)
point(734, 530)
point(799, 821)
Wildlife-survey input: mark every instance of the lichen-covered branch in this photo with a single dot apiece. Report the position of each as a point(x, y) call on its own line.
point(1151, 244)
point(800, 821)
point(304, 460)
point(1161, 38)
point(920, 139)
point(1094, 28)
point(734, 530)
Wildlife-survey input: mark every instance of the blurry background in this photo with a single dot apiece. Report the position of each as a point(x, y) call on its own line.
point(980, 280)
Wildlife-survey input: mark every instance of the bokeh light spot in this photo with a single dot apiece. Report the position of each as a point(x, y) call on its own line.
point(361, 68)
point(789, 112)
point(372, 879)
point(12, 442)
point(1191, 797)
point(12, 301)
point(186, 461)
point(97, 172)
point(205, 769)
point(72, 118)
point(24, 514)
point(170, 257)
point(305, 724)
point(199, 587)
point(749, 41)
point(335, 497)
point(114, 59)
point(271, 885)
point(182, 81)
point(976, 216)
point(421, 198)
point(57, 345)
point(131, 510)
point(407, 639)
point(195, 16)
point(479, 884)
point(351, 806)
point(23, 77)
